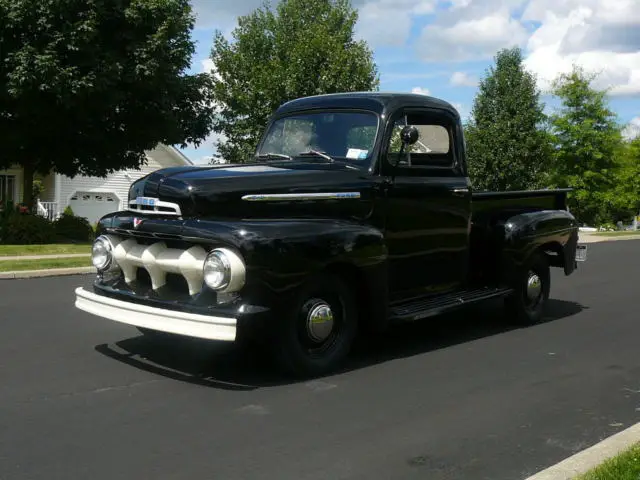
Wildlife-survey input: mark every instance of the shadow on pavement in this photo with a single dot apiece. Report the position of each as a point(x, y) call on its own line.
point(236, 367)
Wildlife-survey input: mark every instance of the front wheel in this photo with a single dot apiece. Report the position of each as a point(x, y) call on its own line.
point(316, 332)
point(526, 305)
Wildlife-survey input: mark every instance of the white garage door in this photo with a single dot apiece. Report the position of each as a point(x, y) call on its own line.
point(92, 205)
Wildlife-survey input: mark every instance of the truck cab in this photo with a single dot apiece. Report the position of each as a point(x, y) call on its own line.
point(355, 212)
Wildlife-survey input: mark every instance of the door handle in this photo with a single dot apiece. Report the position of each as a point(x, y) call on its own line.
point(460, 191)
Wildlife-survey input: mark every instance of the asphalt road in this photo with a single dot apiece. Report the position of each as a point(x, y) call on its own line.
point(462, 398)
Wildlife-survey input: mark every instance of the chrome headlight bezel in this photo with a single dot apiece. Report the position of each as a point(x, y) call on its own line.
point(230, 265)
point(110, 262)
point(104, 243)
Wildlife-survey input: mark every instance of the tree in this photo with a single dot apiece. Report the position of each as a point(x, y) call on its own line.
point(588, 142)
point(508, 147)
point(87, 86)
point(304, 47)
point(626, 194)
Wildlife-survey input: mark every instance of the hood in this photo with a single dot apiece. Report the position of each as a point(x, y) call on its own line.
point(260, 191)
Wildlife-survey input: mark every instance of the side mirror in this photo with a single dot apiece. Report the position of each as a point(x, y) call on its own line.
point(409, 135)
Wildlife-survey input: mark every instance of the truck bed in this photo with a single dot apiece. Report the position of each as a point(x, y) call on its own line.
point(548, 199)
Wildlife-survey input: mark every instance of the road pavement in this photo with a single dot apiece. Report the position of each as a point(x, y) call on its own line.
point(464, 397)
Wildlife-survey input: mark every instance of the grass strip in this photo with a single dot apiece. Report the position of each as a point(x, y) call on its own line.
point(625, 466)
point(51, 249)
point(21, 265)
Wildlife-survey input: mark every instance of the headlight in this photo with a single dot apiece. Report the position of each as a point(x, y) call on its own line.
point(102, 253)
point(224, 270)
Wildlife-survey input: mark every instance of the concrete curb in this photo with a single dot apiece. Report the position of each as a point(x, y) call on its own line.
point(591, 457)
point(51, 272)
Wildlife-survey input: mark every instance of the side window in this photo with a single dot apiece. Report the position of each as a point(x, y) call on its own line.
point(433, 148)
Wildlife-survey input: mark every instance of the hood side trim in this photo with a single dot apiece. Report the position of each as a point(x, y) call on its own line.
point(285, 197)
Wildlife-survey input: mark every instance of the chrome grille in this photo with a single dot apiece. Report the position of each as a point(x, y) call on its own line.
point(154, 206)
point(159, 260)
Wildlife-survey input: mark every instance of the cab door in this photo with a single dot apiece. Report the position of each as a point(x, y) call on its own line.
point(428, 206)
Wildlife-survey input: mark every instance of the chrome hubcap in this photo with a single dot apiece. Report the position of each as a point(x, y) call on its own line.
point(534, 286)
point(320, 321)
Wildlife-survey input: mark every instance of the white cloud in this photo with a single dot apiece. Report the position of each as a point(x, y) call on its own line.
point(209, 67)
point(380, 22)
point(632, 130)
point(421, 91)
point(462, 79)
point(472, 38)
point(388, 22)
point(601, 36)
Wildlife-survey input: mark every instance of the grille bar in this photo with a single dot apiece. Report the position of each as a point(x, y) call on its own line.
point(159, 260)
point(154, 206)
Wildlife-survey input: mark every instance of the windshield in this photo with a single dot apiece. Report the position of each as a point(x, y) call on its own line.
point(342, 136)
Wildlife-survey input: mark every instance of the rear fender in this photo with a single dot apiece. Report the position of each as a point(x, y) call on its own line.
point(552, 231)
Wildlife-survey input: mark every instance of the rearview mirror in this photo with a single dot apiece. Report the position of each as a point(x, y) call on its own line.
point(409, 135)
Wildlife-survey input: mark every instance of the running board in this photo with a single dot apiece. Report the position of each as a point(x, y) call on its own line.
point(429, 307)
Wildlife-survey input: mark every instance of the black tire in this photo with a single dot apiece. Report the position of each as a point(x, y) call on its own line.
point(296, 351)
point(520, 306)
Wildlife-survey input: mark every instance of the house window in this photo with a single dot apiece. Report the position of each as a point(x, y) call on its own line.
point(7, 188)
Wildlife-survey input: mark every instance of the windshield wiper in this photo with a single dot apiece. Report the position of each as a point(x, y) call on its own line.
point(328, 157)
point(270, 156)
point(317, 153)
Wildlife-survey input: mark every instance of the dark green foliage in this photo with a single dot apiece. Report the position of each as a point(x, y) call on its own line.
point(626, 194)
point(87, 86)
point(26, 229)
point(588, 148)
point(508, 147)
point(70, 228)
point(303, 47)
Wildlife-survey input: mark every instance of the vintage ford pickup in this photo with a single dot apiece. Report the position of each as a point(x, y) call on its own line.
point(355, 212)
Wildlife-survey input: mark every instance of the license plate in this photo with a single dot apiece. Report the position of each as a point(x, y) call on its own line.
point(150, 202)
point(581, 253)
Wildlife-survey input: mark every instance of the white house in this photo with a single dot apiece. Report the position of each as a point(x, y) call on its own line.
point(89, 197)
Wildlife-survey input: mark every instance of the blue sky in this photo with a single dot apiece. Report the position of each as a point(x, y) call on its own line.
point(443, 47)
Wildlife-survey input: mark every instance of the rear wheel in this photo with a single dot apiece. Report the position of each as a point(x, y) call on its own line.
point(316, 332)
point(527, 304)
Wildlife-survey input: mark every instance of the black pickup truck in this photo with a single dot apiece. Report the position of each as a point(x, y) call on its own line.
point(355, 212)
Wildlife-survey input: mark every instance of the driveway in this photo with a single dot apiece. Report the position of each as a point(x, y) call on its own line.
point(464, 397)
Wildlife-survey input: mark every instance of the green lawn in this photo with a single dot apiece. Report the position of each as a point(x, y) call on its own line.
point(54, 249)
point(20, 265)
point(625, 466)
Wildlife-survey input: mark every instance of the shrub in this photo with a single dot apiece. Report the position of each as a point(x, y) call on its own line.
point(26, 229)
point(74, 229)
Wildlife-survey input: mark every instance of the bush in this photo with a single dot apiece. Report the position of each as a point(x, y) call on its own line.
point(26, 229)
point(74, 229)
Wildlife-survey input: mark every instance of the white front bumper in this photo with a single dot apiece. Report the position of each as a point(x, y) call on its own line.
point(172, 321)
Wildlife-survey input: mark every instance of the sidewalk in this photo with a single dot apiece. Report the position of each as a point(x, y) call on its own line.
point(588, 237)
point(43, 257)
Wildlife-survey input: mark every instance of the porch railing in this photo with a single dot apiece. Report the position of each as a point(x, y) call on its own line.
point(48, 210)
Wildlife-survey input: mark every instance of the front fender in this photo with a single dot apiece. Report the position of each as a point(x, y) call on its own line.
point(281, 254)
point(525, 233)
